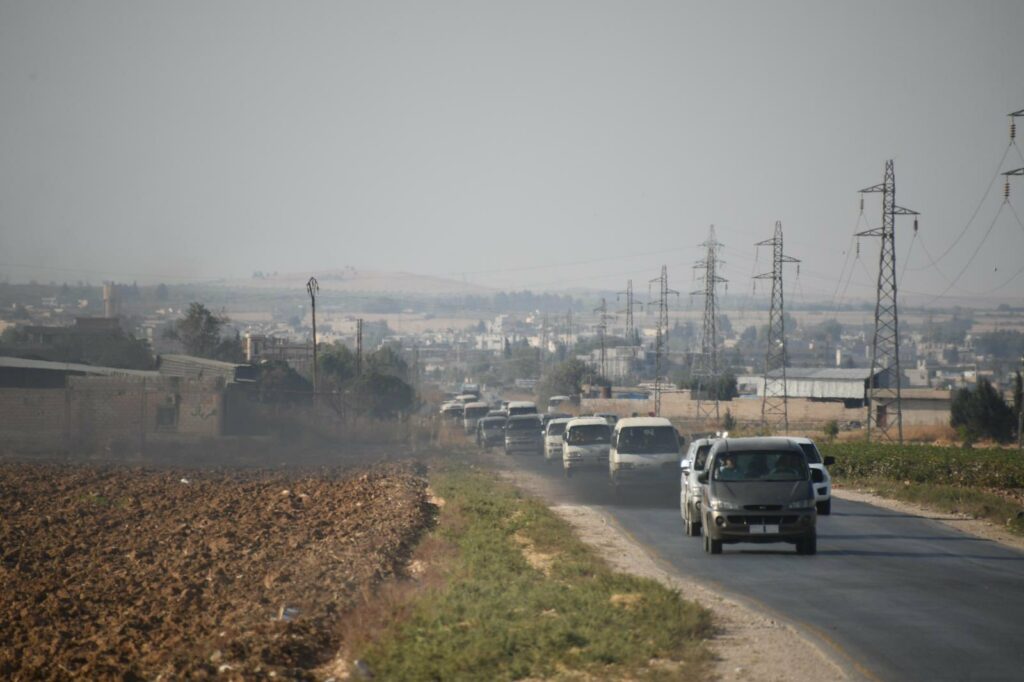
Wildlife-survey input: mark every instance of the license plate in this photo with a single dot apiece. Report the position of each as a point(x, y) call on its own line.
point(764, 530)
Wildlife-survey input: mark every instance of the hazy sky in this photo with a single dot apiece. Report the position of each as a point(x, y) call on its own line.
point(495, 141)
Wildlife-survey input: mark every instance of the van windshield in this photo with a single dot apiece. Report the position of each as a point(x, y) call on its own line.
point(556, 429)
point(474, 412)
point(532, 409)
point(523, 424)
point(492, 424)
point(647, 440)
point(767, 465)
point(588, 434)
point(811, 452)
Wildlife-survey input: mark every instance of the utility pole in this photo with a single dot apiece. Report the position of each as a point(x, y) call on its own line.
point(313, 287)
point(885, 407)
point(661, 335)
point(359, 346)
point(707, 365)
point(774, 407)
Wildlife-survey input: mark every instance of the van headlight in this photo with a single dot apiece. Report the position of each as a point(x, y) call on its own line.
point(724, 505)
point(801, 504)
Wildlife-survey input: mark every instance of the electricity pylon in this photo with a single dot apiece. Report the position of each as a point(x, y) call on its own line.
point(774, 408)
point(661, 336)
point(602, 331)
point(631, 303)
point(707, 369)
point(885, 409)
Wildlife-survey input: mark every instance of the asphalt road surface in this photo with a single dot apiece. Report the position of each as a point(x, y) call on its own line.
point(895, 596)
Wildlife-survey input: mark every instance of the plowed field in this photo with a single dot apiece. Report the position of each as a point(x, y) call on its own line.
point(128, 573)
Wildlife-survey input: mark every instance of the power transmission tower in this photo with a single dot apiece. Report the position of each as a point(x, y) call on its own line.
point(602, 331)
point(774, 408)
point(1016, 171)
point(631, 335)
point(885, 408)
point(661, 334)
point(707, 369)
point(313, 287)
point(568, 331)
point(359, 346)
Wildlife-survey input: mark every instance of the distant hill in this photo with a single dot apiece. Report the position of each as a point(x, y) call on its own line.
point(363, 282)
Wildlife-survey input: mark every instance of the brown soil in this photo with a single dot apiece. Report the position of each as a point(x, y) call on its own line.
point(115, 572)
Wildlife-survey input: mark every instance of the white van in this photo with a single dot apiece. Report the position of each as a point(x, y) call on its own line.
point(585, 443)
point(471, 413)
point(553, 438)
point(521, 407)
point(557, 403)
point(644, 451)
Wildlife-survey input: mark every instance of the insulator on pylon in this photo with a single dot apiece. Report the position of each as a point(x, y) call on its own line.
point(1013, 129)
point(1006, 190)
point(915, 225)
point(861, 203)
point(858, 248)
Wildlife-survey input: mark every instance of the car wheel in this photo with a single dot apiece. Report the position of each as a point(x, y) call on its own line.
point(707, 543)
point(567, 472)
point(716, 546)
point(808, 545)
point(825, 508)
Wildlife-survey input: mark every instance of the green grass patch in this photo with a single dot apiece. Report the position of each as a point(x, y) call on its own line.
point(525, 598)
point(957, 480)
point(947, 498)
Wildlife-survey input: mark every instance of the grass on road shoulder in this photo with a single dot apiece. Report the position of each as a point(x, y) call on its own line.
point(525, 598)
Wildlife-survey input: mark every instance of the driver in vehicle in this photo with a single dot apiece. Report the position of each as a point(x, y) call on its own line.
point(727, 470)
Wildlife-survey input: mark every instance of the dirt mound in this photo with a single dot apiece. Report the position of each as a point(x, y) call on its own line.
point(129, 573)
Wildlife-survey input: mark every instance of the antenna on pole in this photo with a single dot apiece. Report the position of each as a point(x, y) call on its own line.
point(885, 408)
point(774, 407)
point(707, 369)
point(313, 288)
point(661, 335)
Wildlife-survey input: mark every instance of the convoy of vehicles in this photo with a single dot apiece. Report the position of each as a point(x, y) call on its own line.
point(757, 490)
point(731, 490)
point(586, 443)
point(644, 451)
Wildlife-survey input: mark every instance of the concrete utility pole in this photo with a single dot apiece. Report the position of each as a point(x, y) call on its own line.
point(774, 407)
point(313, 287)
point(707, 366)
point(885, 408)
point(661, 335)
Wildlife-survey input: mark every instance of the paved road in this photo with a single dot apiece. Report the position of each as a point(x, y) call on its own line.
point(899, 597)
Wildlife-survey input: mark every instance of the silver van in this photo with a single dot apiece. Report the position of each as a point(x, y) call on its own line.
point(757, 490)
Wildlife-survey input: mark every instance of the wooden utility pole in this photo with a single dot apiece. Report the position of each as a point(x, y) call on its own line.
point(313, 287)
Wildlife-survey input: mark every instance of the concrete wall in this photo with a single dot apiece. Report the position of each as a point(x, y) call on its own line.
point(803, 413)
point(99, 413)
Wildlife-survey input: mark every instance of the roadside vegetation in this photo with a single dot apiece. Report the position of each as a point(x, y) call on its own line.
point(987, 483)
point(521, 597)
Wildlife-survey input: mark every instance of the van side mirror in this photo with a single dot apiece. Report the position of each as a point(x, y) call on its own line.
point(829, 461)
point(685, 465)
point(702, 477)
